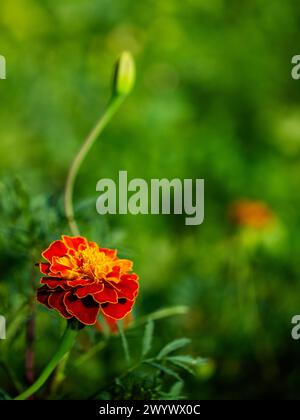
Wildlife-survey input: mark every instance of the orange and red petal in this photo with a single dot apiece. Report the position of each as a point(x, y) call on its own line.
point(108, 294)
point(127, 288)
point(85, 310)
point(56, 301)
point(93, 245)
point(125, 265)
point(79, 282)
point(42, 296)
point(58, 267)
point(112, 253)
point(131, 276)
point(63, 267)
point(73, 242)
point(45, 268)
point(56, 249)
point(117, 310)
point(114, 275)
point(54, 282)
point(91, 289)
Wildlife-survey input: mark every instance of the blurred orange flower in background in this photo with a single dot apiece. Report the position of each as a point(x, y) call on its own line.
point(82, 280)
point(253, 214)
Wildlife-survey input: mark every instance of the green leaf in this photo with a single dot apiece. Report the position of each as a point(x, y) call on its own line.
point(4, 395)
point(182, 366)
point(184, 358)
point(148, 337)
point(186, 362)
point(172, 346)
point(175, 392)
point(176, 389)
point(165, 369)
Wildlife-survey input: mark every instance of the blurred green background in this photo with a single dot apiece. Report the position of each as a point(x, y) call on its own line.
point(214, 99)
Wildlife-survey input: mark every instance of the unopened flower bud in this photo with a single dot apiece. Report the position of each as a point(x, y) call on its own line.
point(124, 76)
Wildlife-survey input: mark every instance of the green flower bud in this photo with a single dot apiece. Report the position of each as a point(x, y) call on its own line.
point(124, 76)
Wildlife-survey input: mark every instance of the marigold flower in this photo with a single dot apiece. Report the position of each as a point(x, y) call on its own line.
point(254, 214)
point(81, 280)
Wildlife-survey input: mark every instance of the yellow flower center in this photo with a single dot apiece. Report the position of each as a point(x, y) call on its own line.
point(95, 264)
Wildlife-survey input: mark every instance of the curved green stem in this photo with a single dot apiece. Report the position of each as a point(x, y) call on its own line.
point(59, 375)
point(65, 345)
point(76, 164)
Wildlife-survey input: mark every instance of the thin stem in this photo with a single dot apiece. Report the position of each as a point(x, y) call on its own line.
point(76, 164)
point(59, 374)
point(160, 314)
point(29, 354)
point(124, 343)
point(30, 338)
point(65, 345)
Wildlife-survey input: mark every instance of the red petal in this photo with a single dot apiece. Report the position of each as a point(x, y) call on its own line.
point(131, 276)
point(112, 253)
point(56, 249)
point(42, 296)
point(45, 268)
point(85, 310)
point(118, 310)
point(93, 245)
point(127, 288)
point(53, 283)
point(74, 242)
point(56, 301)
point(115, 273)
point(108, 294)
point(91, 289)
point(79, 282)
